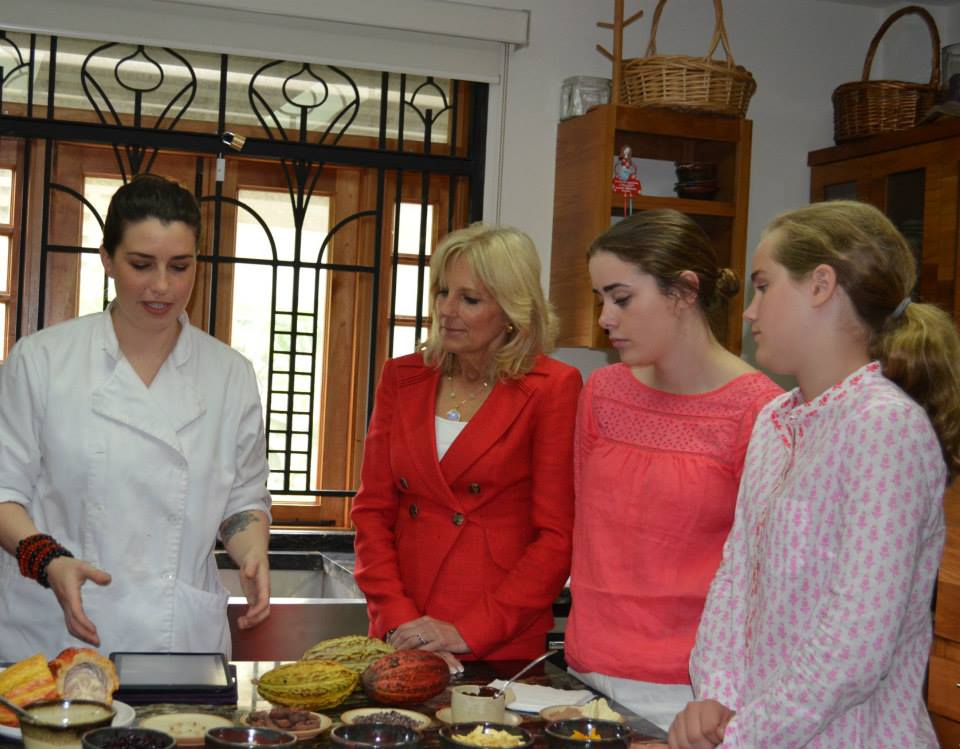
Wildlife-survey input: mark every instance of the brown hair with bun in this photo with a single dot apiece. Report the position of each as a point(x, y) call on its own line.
point(664, 243)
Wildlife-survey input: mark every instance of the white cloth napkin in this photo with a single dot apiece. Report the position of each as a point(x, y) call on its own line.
point(532, 698)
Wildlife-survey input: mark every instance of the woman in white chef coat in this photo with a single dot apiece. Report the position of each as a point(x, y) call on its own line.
point(129, 440)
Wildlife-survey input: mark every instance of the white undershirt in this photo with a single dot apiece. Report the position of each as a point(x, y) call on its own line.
point(447, 432)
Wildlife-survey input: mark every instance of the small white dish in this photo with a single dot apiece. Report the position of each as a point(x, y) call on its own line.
point(573, 712)
point(125, 714)
point(510, 719)
point(187, 728)
point(350, 716)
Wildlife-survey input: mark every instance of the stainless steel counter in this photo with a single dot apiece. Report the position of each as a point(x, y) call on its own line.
point(314, 596)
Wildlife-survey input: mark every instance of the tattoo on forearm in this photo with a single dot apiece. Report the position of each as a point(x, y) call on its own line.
point(236, 523)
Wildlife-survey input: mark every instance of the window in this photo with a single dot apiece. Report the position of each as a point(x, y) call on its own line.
point(287, 387)
point(316, 235)
point(6, 249)
point(413, 277)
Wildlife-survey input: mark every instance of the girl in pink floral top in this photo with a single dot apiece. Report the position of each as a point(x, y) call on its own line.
point(659, 448)
point(817, 628)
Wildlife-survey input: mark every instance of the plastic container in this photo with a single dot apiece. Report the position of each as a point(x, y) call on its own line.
point(950, 71)
point(581, 92)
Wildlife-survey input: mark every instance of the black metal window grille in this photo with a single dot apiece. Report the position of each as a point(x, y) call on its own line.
point(385, 163)
point(6, 243)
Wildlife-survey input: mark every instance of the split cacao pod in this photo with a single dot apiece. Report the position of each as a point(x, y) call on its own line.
point(307, 685)
point(405, 677)
point(356, 652)
point(27, 681)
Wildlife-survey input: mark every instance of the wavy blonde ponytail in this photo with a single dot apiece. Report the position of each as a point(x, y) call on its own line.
point(920, 352)
point(917, 344)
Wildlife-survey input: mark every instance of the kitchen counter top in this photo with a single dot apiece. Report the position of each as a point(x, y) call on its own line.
point(476, 673)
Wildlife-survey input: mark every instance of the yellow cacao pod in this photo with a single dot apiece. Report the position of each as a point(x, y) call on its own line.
point(307, 685)
point(356, 652)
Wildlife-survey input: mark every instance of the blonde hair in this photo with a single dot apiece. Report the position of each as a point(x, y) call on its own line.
point(506, 262)
point(664, 243)
point(917, 344)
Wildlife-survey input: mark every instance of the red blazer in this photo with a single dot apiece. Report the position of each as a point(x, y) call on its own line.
point(482, 538)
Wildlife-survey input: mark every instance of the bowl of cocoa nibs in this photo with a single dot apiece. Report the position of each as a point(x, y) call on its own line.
point(127, 738)
point(394, 715)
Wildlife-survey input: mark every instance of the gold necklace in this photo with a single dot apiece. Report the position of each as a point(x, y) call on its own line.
point(454, 414)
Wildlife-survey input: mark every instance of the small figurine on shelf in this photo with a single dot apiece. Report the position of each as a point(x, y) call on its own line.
point(625, 179)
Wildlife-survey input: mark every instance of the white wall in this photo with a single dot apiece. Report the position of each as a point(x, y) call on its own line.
point(798, 51)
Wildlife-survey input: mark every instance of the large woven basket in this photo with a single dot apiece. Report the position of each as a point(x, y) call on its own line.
point(866, 107)
point(685, 82)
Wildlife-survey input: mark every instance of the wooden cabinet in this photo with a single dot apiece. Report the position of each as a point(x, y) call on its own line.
point(585, 205)
point(943, 688)
point(913, 177)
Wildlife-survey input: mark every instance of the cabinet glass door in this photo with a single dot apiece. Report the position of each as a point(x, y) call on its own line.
point(840, 191)
point(905, 209)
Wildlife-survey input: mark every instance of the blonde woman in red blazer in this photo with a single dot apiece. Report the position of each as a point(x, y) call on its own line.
point(465, 509)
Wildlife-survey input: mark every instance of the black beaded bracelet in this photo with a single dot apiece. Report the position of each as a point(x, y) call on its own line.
point(59, 551)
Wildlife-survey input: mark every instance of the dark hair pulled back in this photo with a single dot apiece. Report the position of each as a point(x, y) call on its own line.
point(664, 243)
point(148, 196)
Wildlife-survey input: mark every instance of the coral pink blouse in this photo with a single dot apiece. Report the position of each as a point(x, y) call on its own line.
point(656, 484)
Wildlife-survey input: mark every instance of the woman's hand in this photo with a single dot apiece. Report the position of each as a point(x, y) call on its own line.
point(453, 663)
point(700, 725)
point(66, 575)
point(427, 633)
point(255, 580)
point(246, 537)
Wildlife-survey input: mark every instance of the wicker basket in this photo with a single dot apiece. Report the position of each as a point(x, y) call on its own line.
point(690, 83)
point(866, 107)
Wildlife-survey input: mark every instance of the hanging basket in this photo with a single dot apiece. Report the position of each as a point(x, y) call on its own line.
point(866, 107)
point(688, 83)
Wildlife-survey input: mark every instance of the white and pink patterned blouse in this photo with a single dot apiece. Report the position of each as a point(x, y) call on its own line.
point(817, 627)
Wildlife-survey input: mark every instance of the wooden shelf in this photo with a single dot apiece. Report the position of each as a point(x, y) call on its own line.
point(584, 203)
point(684, 205)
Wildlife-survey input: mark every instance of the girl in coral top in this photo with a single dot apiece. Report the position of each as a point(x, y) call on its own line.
point(659, 448)
point(817, 629)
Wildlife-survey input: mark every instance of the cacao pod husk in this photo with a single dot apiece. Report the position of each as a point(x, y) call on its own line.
point(307, 685)
point(356, 652)
point(406, 677)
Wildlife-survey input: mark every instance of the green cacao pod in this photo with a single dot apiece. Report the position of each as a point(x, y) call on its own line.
point(356, 652)
point(308, 685)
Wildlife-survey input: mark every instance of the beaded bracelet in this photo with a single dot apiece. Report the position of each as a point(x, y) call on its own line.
point(51, 555)
point(35, 552)
point(29, 548)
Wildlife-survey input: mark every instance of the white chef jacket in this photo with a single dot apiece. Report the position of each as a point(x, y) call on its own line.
point(134, 480)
